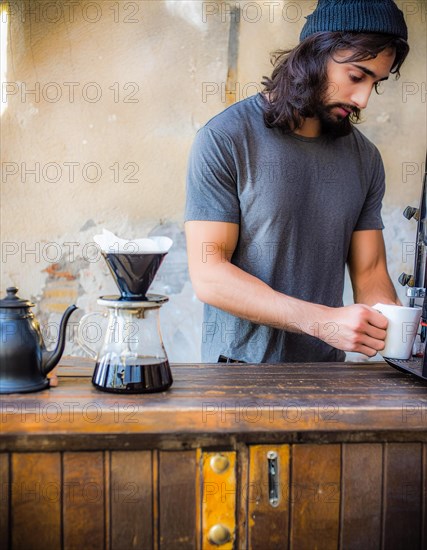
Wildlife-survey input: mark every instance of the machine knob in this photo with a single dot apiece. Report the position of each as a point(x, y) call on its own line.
point(406, 280)
point(219, 534)
point(411, 212)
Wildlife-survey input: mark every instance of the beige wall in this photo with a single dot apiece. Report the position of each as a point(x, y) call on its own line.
point(146, 75)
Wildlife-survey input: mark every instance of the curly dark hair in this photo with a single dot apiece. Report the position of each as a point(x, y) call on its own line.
point(299, 77)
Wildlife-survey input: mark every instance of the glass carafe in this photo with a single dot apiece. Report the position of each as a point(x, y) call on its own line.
point(131, 357)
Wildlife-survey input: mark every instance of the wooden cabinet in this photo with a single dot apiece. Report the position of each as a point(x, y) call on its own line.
point(253, 456)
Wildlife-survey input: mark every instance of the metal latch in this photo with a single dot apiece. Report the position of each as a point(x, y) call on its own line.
point(273, 478)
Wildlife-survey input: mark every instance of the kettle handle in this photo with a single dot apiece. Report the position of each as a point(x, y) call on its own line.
point(82, 337)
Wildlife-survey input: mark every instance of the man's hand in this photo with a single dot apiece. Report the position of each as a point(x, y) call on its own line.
point(356, 328)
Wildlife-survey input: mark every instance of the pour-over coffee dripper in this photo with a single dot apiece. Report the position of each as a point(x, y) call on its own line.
point(134, 273)
point(132, 357)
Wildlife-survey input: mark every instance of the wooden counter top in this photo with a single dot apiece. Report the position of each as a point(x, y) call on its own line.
point(225, 399)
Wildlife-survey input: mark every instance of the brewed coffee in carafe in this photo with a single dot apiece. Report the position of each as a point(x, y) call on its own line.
point(132, 357)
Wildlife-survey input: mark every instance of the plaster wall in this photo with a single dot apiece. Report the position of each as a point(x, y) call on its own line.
point(101, 105)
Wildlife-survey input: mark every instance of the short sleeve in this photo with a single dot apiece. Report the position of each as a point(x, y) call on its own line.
point(370, 217)
point(212, 179)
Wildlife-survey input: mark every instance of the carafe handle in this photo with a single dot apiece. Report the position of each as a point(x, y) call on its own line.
point(82, 336)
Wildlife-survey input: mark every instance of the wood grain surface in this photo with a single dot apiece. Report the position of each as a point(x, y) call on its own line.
point(361, 496)
point(36, 485)
point(5, 503)
point(131, 495)
point(177, 500)
point(403, 493)
point(84, 500)
point(208, 399)
point(315, 496)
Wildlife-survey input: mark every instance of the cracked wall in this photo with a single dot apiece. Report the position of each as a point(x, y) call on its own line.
point(103, 102)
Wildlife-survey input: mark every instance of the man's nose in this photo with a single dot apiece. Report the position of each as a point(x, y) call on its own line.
point(361, 97)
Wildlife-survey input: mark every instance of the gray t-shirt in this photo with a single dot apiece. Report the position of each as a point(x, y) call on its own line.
point(297, 201)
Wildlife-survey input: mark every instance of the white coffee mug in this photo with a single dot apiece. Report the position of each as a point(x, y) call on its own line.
point(403, 323)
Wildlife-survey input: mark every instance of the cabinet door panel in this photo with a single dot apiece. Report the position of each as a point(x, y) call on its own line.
point(402, 493)
point(268, 520)
point(315, 496)
point(177, 500)
point(131, 500)
point(36, 501)
point(4, 499)
point(84, 500)
point(424, 500)
point(361, 496)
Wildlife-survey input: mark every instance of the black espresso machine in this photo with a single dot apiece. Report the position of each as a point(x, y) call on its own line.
point(417, 286)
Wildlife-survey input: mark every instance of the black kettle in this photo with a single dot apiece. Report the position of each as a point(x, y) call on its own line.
point(24, 359)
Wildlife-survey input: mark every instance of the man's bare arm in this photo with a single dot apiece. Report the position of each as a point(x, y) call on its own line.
point(218, 282)
point(368, 269)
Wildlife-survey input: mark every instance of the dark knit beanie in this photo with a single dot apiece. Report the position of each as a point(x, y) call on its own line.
point(380, 16)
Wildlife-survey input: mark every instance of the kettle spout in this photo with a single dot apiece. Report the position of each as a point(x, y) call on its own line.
point(51, 358)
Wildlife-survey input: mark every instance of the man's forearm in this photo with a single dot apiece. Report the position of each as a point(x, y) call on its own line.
point(377, 289)
point(233, 290)
point(351, 328)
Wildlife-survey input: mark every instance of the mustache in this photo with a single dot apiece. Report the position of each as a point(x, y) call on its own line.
point(354, 111)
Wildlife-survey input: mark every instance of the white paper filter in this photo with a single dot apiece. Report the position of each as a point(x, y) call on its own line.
point(111, 244)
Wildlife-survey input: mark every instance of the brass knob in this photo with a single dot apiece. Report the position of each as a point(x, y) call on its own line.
point(219, 463)
point(219, 534)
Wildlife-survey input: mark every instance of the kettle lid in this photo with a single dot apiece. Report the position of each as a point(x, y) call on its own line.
point(13, 300)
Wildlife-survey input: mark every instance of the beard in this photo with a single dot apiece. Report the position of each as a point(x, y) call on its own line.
point(333, 124)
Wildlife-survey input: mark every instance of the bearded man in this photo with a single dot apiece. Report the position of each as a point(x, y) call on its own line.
point(283, 191)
